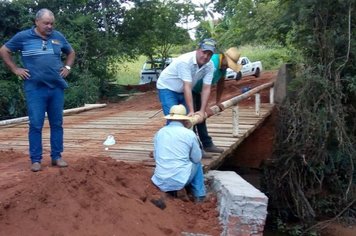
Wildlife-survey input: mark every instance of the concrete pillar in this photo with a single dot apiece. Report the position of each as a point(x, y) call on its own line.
point(285, 75)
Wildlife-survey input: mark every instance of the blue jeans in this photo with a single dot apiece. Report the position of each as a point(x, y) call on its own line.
point(39, 101)
point(201, 128)
point(196, 181)
point(169, 98)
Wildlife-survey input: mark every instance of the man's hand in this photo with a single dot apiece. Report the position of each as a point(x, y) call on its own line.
point(22, 73)
point(64, 72)
point(209, 112)
point(201, 114)
point(198, 118)
point(190, 114)
point(221, 106)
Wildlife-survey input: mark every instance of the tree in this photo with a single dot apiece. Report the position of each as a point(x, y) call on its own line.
point(315, 151)
point(252, 22)
point(150, 28)
point(91, 26)
point(13, 17)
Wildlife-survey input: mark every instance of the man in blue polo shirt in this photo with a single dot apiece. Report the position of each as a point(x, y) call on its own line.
point(43, 73)
point(221, 62)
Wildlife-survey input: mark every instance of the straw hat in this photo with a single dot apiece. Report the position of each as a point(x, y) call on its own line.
point(232, 56)
point(177, 112)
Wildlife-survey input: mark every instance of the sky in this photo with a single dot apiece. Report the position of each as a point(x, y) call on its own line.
point(193, 24)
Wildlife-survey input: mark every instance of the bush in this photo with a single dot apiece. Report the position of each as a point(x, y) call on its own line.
point(12, 101)
point(84, 89)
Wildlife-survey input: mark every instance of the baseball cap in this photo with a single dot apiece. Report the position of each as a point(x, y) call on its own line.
point(208, 45)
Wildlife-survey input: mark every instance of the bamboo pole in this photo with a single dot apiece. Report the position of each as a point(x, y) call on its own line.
point(86, 107)
point(233, 101)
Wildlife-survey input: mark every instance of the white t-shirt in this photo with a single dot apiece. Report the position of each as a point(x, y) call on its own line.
point(185, 68)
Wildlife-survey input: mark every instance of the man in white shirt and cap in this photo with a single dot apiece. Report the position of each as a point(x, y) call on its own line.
point(177, 80)
point(222, 61)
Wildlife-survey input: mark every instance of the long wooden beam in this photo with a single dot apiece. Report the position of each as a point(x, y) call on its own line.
point(86, 107)
point(233, 101)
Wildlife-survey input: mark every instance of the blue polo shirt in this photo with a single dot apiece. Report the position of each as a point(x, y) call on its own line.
point(41, 57)
point(218, 73)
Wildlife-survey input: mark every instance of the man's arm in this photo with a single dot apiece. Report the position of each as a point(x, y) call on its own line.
point(195, 153)
point(5, 54)
point(70, 58)
point(69, 62)
point(188, 97)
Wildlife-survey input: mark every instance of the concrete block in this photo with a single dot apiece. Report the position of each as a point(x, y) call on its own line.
point(242, 207)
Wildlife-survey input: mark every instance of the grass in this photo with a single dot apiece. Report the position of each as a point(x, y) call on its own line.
point(271, 57)
point(129, 72)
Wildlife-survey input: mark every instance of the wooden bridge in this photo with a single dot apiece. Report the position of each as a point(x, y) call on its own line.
point(86, 129)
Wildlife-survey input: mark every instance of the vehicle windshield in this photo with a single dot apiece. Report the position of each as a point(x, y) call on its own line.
point(152, 66)
point(156, 64)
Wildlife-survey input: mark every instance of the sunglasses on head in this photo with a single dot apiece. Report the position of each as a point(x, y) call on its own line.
point(44, 45)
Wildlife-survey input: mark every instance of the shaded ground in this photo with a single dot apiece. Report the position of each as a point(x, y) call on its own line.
point(99, 196)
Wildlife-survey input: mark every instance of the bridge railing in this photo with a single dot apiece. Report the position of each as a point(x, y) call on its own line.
point(233, 102)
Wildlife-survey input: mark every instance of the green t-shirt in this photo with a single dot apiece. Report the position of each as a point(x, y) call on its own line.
point(218, 73)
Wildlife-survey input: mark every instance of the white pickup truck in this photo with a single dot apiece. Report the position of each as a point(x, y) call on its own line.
point(248, 68)
point(152, 69)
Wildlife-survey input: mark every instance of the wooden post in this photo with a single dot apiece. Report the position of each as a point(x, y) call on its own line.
point(235, 121)
point(271, 95)
point(257, 103)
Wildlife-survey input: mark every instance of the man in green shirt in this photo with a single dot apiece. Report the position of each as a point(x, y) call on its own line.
point(221, 61)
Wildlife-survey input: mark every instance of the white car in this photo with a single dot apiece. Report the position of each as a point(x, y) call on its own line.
point(152, 69)
point(248, 68)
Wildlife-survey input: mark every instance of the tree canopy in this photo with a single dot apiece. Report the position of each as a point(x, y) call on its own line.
point(100, 31)
point(151, 28)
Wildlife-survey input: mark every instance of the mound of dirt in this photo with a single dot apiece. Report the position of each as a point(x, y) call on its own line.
point(99, 196)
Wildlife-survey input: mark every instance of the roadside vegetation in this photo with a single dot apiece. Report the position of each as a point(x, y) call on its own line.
point(272, 57)
point(128, 72)
point(314, 176)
